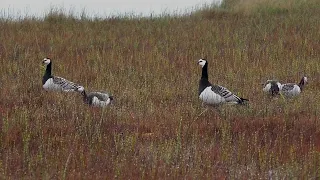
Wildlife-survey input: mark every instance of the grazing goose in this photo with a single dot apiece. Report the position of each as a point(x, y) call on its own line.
point(292, 89)
point(215, 94)
point(55, 83)
point(96, 99)
point(272, 87)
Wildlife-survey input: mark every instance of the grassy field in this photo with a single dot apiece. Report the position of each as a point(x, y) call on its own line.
point(155, 129)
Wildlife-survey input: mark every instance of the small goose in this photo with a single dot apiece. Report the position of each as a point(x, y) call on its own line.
point(292, 89)
point(272, 87)
point(215, 94)
point(96, 99)
point(55, 83)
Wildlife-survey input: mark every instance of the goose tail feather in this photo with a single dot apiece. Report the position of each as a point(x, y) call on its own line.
point(242, 101)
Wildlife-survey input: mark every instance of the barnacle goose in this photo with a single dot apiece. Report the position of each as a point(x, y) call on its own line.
point(96, 99)
point(272, 87)
point(55, 83)
point(215, 94)
point(292, 89)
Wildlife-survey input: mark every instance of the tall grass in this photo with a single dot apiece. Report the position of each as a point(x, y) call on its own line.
point(156, 130)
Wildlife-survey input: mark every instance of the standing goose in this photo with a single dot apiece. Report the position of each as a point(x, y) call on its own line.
point(55, 83)
point(215, 94)
point(96, 99)
point(272, 87)
point(292, 89)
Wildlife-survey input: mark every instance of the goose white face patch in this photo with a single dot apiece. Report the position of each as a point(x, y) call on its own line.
point(209, 97)
point(305, 79)
point(46, 61)
point(80, 89)
point(202, 62)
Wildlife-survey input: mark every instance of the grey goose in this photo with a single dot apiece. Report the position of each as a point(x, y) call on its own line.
point(55, 83)
point(215, 94)
point(95, 99)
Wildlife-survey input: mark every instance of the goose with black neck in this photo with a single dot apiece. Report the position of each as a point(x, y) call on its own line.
point(215, 94)
point(55, 83)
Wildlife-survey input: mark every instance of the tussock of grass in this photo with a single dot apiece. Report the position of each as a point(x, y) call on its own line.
point(155, 129)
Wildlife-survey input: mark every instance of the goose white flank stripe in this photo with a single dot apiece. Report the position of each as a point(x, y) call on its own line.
point(95, 99)
point(55, 83)
point(272, 87)
point(215, 94)
point(292, 89)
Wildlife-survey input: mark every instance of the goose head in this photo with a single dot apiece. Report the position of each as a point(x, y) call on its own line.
point(46, 61)
point(202, 62)
point(305, 80)
point(80, 89)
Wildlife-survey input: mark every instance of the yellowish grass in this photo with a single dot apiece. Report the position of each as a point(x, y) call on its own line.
point(252, 6)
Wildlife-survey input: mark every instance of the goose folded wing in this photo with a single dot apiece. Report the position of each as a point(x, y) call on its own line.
point(287, 87)
point(65, 84)
point(225, 93)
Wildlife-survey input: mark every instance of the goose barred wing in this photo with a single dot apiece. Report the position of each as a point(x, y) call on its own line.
point(287, 87)
point(225, 93)
point(65, 84)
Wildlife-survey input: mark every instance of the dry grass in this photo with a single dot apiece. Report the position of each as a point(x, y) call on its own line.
point(154, 130)
point(269, 6)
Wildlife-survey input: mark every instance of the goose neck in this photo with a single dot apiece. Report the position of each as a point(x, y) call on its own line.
point(47, 73)
point(301, 83)
point(204, 74)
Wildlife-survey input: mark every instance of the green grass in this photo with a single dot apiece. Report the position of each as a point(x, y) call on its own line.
point(156, 130)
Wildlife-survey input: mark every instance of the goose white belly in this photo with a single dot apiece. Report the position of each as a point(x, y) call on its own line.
point(51, 86)
point(209, 97)
point(293, 92)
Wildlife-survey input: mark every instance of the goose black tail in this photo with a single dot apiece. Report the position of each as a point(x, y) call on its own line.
point(243, 101)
